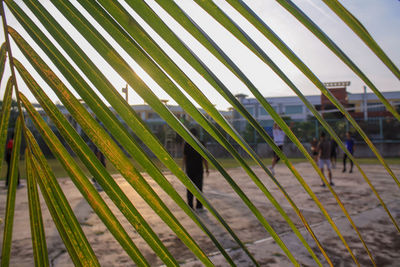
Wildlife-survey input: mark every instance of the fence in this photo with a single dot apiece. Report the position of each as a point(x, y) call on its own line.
point(384, 132)
point(379, 130)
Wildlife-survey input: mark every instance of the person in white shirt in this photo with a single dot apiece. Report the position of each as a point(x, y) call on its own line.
point(279, 138)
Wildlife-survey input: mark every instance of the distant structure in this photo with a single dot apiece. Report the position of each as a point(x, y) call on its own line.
point(372, 104)
point(293, 107)
point(125, 91)
point(360, 105)
point(290, 106)
point(156, 124)
point(339, 91)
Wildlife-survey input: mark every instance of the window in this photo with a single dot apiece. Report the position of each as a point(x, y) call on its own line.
point(376, 106)
point(266, 123)
point(294, 109)
point(263, 112)
point(152, 115)
point(250, 110)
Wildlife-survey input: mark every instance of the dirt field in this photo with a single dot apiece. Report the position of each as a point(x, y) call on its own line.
point(374, 224)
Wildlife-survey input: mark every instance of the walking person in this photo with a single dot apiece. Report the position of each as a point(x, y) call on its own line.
point(324, 154)
point(333, 153)
point(279, 139)
point(350, 147)
point(9, 148)
point(314, 151)
point(100, 156)
point(193, 164)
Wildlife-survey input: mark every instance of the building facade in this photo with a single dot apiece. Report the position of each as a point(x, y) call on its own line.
point(372, 105)
point(288, 106)
point(293, 107)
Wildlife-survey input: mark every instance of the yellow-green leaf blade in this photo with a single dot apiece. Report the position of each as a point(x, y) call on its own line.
point(292, 8)
point(67, 224)
point(4, 118)
point(11, 194)
point(123, 137)
point(307, 22)
point(113, 152)
point(104, 48)
point(129, 116)
point(3, 57)
point(92, 163)
point(84, 185)
point(36, 221)
point(194, 92)
point(362, 32)
point(246, 40)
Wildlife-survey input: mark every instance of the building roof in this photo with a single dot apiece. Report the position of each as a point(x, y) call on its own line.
point(316, 99)
point(313, 99)
point(372, 96)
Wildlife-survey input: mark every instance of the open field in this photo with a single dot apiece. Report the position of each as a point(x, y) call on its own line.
point(226, 162)
point(374, 224)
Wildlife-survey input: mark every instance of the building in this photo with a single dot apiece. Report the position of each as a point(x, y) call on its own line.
point(374, 107)
point(145, 112)
point(288, 106)
point(293, 107)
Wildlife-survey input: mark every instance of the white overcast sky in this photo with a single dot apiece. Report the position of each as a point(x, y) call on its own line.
point(380, 17)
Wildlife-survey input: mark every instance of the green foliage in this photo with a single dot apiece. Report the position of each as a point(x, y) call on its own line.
point(119, 135)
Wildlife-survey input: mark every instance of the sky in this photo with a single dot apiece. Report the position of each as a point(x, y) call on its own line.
point(380, 17)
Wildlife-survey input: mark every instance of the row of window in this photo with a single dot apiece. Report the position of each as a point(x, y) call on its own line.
point(375, 106)
point(298, 109)
point(289, 109)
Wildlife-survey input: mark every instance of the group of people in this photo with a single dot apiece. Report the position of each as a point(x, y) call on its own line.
point(332, 150)
point(324, 151)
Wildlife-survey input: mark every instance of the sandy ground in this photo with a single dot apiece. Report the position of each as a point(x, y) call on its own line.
point(374, 224)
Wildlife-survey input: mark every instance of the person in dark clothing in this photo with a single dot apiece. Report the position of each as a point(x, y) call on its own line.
point(314, 152)
point(350, 147)
point(193, 164)
point(100, 156)
point(324, 153)
point(9, 148)
point(279, 139)
point(333, 153)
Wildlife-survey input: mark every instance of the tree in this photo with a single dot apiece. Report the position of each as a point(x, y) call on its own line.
point(136, 43)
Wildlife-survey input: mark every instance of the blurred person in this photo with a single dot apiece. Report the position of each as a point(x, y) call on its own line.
point(350, 147)
point(279, 139)
point(324, 153)
point(193, 164)
point(100, 156)
point(9, 148)
point(333, 153)
point(314, 151)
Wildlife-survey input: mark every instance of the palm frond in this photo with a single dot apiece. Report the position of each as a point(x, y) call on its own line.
point(108, 118)
point(67, 224)
point(4, 118)
point(363, 33)
point(83, 184)
point(109, 128)
point(306, 21)
point(3, 57)
point(11, 193)
point(36, 219)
